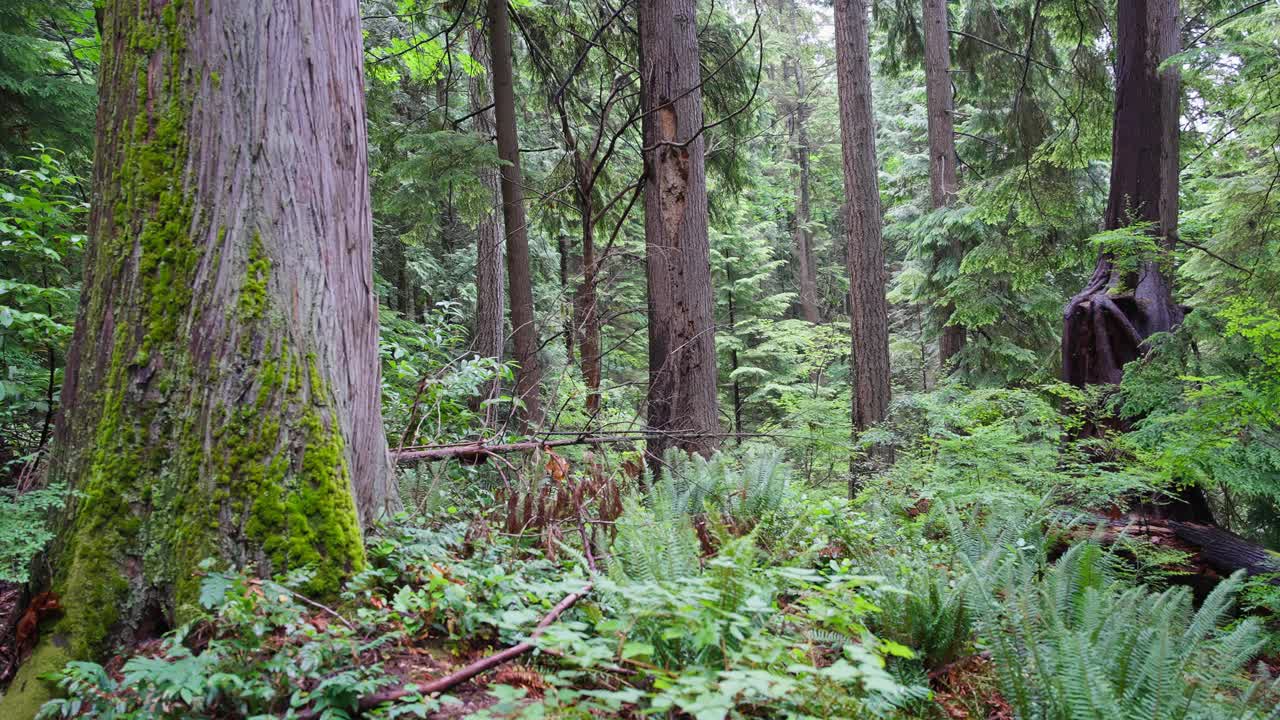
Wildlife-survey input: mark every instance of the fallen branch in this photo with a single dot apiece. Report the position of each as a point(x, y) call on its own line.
point(462, 675)
point(1214, 551)
point(477, 450)
point(481, 449)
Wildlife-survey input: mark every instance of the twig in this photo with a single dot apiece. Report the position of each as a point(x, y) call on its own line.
point(319, 606)
point(439, 685)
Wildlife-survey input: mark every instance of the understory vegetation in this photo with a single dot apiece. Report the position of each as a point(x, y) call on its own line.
point(731, 588)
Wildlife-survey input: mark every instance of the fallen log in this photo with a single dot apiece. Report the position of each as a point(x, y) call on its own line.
point(1216, 552)
point(1225, 551)
point(464, 674)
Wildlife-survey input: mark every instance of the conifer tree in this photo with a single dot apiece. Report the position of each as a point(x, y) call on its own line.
point(222, 387)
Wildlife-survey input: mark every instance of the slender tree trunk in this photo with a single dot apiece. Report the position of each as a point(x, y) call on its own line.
point(869, 316)
point(490, 259)
point(734, 363)
point(222, 388)
point(529, 373)
point(802, 235)
point(942, 146)
point(586, 305)
point(586, 321)
point(682, 352)
point(569, 263)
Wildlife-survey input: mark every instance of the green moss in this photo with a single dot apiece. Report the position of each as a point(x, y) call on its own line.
point(253, 292)
point(29, 691)
point(153, 215)
point(319, 394)
point(307, 517)
point(93, 587)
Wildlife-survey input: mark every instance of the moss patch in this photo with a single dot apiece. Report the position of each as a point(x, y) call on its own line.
point(29, 692)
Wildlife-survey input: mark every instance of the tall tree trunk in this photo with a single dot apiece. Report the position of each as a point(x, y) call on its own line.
point(222, 388)
point(569, 262)
point(733, 360)
point(942, 145)
point(1106, 325)
point(869, 313)
point(682, 352)
point(586, 306)
point(586, 322)
point(802, 235)
point(490, 260)
point(529, 374)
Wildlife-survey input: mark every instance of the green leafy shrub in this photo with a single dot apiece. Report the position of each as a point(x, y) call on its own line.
point(960, 445)
point(42, 217)
point(271, 653)
point(25, 528)
point(428, 378)
point(1213, 418)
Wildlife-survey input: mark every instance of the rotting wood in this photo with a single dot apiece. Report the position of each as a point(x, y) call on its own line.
point(1216, 550)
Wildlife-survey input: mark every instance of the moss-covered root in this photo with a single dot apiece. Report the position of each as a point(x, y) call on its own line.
point(29, 691)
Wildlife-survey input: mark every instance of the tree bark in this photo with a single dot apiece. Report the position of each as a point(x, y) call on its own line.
point(488, 331)
point(519, 276)
point(1106, 324)
point(943, 182)
point(733, 359)
point(222, 388)
point(682, 353)
point(869, 313)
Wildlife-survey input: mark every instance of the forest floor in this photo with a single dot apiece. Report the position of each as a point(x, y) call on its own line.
point(986, 574)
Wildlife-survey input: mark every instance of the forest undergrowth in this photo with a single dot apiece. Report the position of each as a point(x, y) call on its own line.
point(978, 577)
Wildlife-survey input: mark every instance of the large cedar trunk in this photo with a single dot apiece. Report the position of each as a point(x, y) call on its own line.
point(222, 389)
point(519, 276)
point(487, 332)
point(1106, 324)
point(869, 312)
point(682, 352)
point(942, 145)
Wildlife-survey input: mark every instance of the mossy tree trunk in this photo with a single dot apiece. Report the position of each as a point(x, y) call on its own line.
point(222, 389)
